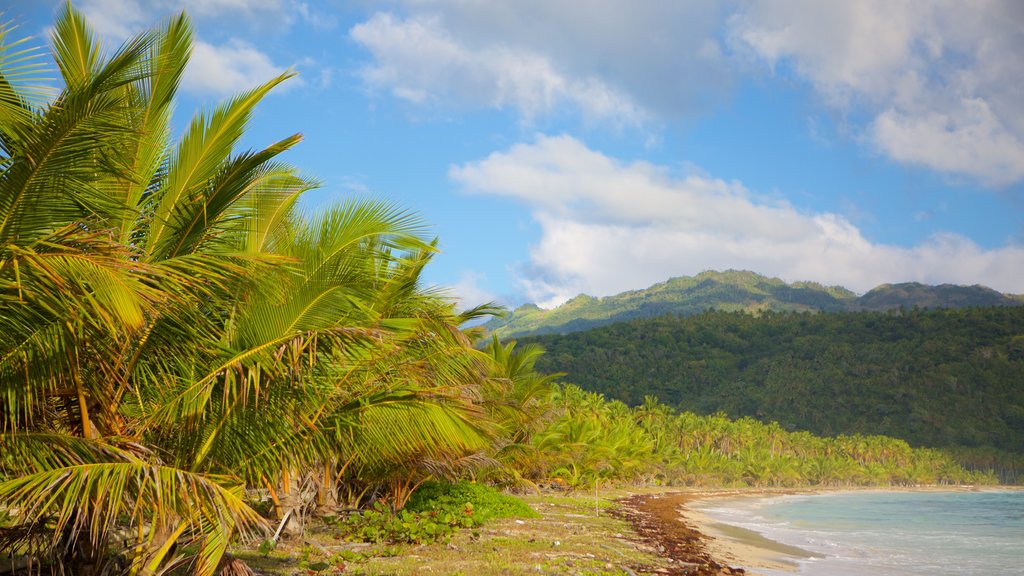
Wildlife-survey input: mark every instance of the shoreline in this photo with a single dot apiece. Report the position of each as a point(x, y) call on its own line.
point(697, 544)
point(742, 547)
point(660, 522)
point(653, 531)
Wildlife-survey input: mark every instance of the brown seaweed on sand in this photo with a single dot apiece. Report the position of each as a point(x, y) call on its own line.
point(658, 522)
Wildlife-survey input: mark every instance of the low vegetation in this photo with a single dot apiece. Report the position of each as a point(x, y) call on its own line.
point(562, 536)
point(435, 512)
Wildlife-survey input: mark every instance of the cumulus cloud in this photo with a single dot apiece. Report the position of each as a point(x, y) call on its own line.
point(469, 292)
point(609, 226)
point(229, 68)
point(932, 83)
point(968, 139)
point(610, 60)
point(940, 81)
point(417, 60)
point(219, 69)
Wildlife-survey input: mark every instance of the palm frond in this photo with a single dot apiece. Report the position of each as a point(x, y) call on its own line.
point(86, 500)
point(22, 90)
point(153, 98)
point(26, 453)
point(54, 176)
point(198, 159)
point(201, 220)
point(75, 48)
point(268, 210)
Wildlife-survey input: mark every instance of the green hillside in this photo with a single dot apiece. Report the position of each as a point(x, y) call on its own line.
point(910, 294)
point(735, 291)
point(932, 377)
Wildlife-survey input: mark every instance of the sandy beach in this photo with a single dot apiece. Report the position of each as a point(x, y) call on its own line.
point(673, 523)
point(697, 544)
point(739, 547)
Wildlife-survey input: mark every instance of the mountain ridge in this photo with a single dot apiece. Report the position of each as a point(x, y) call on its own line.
point(737, 290)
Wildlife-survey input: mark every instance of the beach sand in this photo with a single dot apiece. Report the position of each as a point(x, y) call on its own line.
point(744, 548)
point(698, 544)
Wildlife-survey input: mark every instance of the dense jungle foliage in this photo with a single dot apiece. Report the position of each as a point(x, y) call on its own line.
point(938, 378)
point(592, 439)
point(187, 362)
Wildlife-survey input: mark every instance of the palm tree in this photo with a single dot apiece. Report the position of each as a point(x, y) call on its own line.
point(518, 399)
point(76, 302)
point(173, 334)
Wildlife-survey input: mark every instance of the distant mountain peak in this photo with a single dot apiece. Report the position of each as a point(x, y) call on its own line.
point(737, 290)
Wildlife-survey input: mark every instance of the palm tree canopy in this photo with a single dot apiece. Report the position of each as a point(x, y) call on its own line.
point(175, 333)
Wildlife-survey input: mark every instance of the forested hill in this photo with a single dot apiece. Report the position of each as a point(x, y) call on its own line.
point(932, 377)
point(735, 291)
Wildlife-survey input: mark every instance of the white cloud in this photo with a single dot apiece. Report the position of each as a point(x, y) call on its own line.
point(220, 69)
point(610, 60)
point(121, 18)
point(418, 61)
point(933, 83)
point(968, 140)
point(940, 80)
point(117, 19)
point(227, 69)
point(469, 292)
point(608, 226)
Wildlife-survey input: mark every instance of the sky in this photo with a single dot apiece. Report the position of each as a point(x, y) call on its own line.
point(597, 146)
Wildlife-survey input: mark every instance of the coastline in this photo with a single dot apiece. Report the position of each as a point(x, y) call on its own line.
point(697, 544)
point(654, 531)
point(674, 525)
point(742, 547)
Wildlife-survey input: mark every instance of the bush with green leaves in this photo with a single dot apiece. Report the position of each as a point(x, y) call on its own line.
point(488, 502)
point(381, 524)
point(434, 513)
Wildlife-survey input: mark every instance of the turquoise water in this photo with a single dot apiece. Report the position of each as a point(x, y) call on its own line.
point(897, 533)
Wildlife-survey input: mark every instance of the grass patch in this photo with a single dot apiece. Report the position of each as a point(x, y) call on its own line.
point(562, 535)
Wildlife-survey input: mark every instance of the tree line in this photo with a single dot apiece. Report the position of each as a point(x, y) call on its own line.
point(937, 378)
point(594, 440)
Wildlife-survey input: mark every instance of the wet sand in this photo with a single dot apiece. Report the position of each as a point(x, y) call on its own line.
point(699, 545)
point(741, 547)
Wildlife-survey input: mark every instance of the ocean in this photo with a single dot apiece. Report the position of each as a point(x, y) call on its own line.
point(893, 533)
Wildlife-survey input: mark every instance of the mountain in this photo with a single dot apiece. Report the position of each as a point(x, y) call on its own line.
point(939, 377)
point(732, 291)
point(910, 294)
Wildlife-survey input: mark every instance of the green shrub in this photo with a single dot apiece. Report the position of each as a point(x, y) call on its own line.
point(380, 524)
point(488, 502)
point(434, 513)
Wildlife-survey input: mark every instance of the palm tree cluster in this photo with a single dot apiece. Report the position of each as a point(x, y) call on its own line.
point(592, 440)
point(177, 342)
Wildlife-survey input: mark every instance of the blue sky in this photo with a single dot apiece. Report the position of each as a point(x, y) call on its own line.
point(596, 146)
